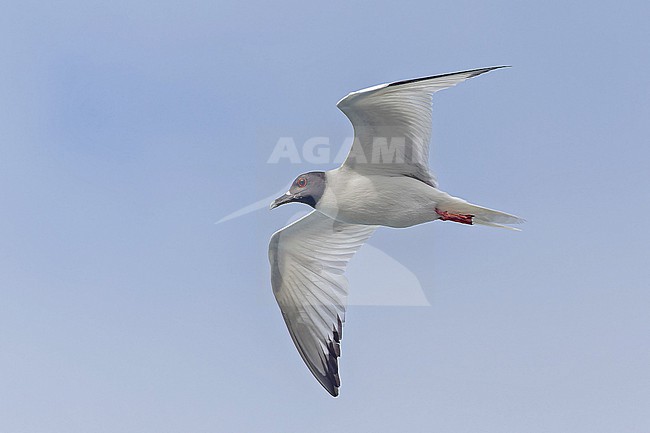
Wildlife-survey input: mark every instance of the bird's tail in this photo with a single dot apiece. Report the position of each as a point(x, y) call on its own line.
point(482, 215)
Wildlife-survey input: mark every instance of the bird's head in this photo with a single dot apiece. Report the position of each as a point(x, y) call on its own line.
point(308, 188)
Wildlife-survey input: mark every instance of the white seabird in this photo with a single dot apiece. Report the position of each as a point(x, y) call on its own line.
point(385, 181)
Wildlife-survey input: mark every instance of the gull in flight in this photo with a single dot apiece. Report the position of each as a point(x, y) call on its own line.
point(385, 181)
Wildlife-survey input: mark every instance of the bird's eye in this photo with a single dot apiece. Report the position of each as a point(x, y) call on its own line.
point(301, 182)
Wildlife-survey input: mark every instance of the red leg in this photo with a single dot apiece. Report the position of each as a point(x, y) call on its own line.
point(455, 217)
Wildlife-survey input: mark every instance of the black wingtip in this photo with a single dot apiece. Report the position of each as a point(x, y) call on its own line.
point(331, 383)
point(331, 380)
point(332, 390)
point(472, 72)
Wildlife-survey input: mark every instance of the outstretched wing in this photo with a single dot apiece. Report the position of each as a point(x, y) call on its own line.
point(308, 259)
point(392, 125)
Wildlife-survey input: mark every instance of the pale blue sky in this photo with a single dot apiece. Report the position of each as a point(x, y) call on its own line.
point(128, 128)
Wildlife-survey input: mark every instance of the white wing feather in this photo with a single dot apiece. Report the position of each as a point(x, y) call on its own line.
point(392, 125)
point(308, 259)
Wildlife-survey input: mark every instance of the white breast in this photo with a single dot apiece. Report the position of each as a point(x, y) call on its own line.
point(397, 201)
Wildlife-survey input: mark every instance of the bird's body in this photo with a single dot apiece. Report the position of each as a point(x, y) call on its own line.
point(385, 181)
point(398, 201)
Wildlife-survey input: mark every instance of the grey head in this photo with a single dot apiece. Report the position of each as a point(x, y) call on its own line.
point(308, 188)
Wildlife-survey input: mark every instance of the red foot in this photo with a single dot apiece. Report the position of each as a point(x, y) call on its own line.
point(455, 217)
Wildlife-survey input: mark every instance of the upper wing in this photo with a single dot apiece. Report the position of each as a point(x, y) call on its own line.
point(392, 125)
point(308, 259)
